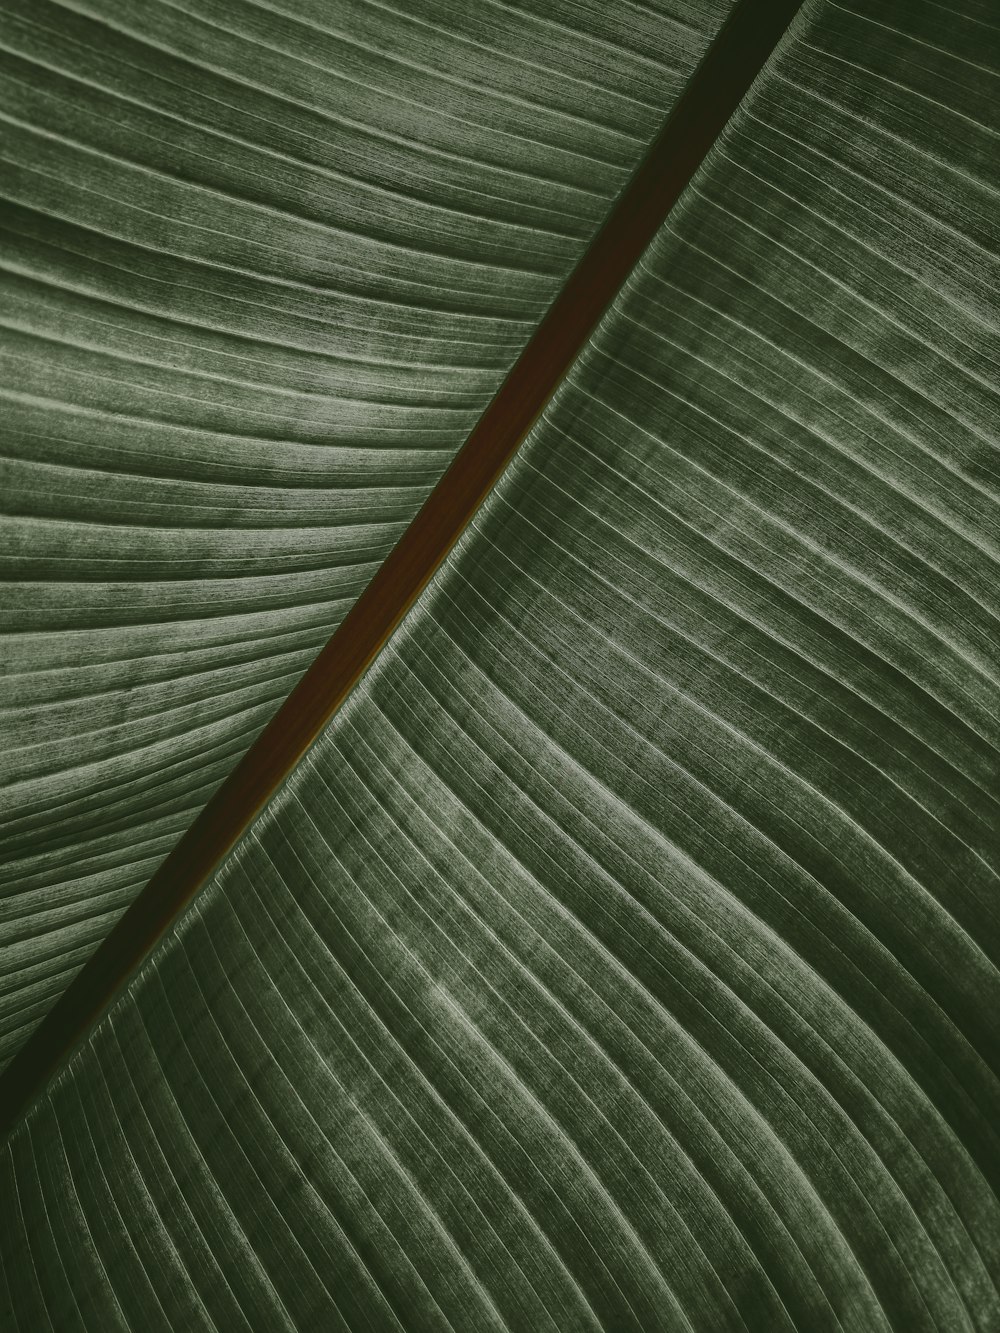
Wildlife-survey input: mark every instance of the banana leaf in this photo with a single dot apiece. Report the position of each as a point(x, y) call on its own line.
point(623, 955)
point(263, 266)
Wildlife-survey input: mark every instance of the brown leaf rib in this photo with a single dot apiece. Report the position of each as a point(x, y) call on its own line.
point(713, 93)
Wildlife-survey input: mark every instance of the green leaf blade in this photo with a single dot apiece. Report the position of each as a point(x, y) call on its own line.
point(263, 269)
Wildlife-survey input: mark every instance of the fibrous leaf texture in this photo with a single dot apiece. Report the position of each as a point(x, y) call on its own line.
point(263, 266)
point(624, 954)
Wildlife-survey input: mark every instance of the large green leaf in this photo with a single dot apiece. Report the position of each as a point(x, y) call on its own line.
point(262, 269)
point(624, 954)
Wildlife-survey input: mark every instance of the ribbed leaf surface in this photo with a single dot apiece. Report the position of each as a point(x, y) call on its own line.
point(624, 954)
point(262, 268)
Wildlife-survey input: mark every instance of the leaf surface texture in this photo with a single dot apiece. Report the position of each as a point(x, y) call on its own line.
point(624, 954)
point(263, 266)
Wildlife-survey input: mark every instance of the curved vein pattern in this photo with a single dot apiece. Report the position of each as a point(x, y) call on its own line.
point(624, 955)
point(262, 267)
